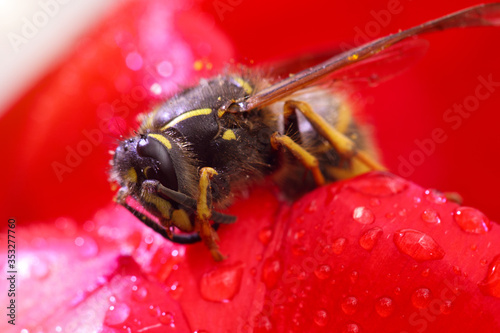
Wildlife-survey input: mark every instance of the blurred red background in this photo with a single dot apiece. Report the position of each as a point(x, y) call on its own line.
point(37, 130)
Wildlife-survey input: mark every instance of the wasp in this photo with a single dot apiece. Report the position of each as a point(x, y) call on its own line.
point(197, 152)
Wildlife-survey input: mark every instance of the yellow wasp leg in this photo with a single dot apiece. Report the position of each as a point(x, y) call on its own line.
point(307, 159)
point(204, 213)
point(342, 144)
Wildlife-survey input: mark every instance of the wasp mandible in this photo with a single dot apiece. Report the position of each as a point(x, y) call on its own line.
point(198, 151)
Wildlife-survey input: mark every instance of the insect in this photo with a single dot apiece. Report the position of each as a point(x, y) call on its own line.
point(195, 153)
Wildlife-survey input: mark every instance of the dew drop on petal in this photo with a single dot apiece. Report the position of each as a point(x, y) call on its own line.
point(338, 245)
point(167, 319)
point(491, 284)
point(431, 216)
point(384, 307)
point(265, 235)
point(221, 284)
point(379, 185)
point(154, 311)
point(117, 314)
point(321, 318)
point(323, 272)
point(349, 305)
point(418, 245)
point(271, 271)
point(351, 328)
point(434, 196)
point(139, 293)
point(446, 307)
point(472, 220)
point(369, 238)
point(363, 215)
point(421, 298)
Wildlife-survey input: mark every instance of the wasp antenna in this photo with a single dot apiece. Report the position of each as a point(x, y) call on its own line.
point(480, 15)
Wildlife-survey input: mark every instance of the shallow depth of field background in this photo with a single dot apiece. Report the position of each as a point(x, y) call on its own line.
point(403, 110)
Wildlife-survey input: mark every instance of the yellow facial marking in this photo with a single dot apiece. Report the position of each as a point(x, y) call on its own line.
point(229, 135)
point(164, 141)
point(131, 175)
point(220, 113)
point(244, 84)
point(187, 115)
point(181, 220)
point(163, 206)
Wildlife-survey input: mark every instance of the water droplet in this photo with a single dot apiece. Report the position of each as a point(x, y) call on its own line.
point(176, 290)
point(472, 220)
point(418, 245)
point(456, 270)
point(434, 196)
point(369, 238)
point(354, 276)
point(425, 272)
point(221, 284)
point(134, 61)
point(271, 271)
point(139, 293)
point(265, 235)
point(323, 272)
point(363, 215)
point(349, 305)
point(390, 215)
point(431, 216)
point(312, 207)
point(117, 314)
point(421, 298)
point(351, 328)
point(154, 311)
point(446, 307)
point(417, 200)
point(338, 245)
point(483, 262)
point(374, 202)
point(321, 318)
point(384, 307)
point(299, 234)
point(299, 249)
point(379, 185)
point(491, 284)
point(167, 319)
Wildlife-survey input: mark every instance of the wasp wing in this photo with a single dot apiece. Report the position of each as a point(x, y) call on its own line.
point(480, 15)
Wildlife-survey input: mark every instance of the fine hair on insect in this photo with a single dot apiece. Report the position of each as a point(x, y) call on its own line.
point(195, 153)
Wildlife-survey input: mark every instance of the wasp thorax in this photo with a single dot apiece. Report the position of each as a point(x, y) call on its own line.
point(145, 157)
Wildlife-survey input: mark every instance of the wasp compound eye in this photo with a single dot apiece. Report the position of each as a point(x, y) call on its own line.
point(157, 147)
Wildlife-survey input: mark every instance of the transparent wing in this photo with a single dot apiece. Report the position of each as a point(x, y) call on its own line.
point(480, 15)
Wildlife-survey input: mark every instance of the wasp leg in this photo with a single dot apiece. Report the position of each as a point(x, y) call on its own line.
point(204, 214)
point(307, 159)
point(176, 238)
point(341, 143)
point(186, 201)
